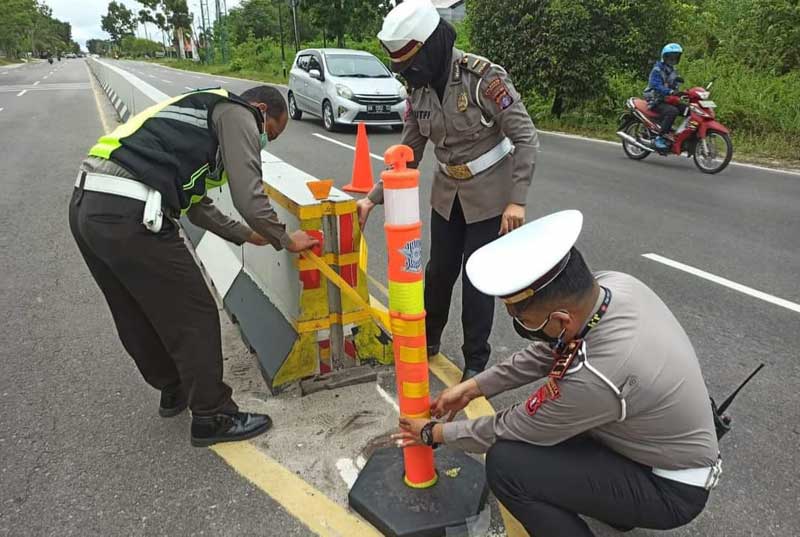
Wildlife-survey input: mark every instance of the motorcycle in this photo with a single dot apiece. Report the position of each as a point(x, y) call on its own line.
point(50, 61)
point(699, 135)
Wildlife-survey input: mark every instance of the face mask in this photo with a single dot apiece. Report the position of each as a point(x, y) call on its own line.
point(537, 334)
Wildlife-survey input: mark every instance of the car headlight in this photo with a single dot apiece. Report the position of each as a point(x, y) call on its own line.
point(343, 91)
point(403, 93)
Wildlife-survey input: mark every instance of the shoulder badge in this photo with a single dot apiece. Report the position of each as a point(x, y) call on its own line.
point(549, 391)
point(498, 92)
point(463, 102)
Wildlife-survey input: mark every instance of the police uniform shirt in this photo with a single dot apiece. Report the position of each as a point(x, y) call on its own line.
point(641, 348)
point(239, 154)
point(480, 106)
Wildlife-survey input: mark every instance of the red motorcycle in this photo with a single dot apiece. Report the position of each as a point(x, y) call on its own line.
point(699, 135)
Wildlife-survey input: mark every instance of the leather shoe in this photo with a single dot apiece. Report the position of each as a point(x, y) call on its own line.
point(209, 430)
point(469, 373)
point(173, 402)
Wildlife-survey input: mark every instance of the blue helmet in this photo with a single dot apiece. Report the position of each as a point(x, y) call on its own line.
point(671, 48)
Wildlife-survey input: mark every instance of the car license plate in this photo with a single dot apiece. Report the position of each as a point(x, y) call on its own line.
point(708, 104)
point(378, 109)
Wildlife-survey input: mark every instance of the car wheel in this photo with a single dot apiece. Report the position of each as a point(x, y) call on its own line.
point(294, 112)
point(327, 117)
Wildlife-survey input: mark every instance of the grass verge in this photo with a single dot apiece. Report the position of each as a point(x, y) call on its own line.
point(220, 69)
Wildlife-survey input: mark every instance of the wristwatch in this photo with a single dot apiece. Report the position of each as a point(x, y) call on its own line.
point(426, 435)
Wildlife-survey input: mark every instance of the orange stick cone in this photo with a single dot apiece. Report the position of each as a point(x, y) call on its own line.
point(362, 180)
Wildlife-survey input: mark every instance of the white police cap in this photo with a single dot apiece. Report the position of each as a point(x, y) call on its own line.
point(522, 262)
point(406, 28)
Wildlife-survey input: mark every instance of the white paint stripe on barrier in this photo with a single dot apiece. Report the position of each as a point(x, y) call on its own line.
point(151, 92)
point(725, 282)
point(219, 261)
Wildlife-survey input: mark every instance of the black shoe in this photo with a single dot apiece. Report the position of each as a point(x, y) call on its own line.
point(433, 350)
point(209, 430)
point(173, 402)
point(469, 373)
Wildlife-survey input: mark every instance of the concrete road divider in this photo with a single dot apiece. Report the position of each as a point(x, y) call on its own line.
point(297, 322)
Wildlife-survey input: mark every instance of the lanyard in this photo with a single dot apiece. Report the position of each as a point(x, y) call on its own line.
point(563, 360)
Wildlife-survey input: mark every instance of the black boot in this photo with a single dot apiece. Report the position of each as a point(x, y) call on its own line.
point(209, 430)
point(173, 402)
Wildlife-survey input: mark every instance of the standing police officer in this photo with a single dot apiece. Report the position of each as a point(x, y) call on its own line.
point(485, 145)
point(621, 428)
point(136, 181)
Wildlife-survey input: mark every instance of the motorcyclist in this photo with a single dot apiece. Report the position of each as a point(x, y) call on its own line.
point(663, 93)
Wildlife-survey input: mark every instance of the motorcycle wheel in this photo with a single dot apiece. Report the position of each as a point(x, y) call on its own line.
point(635, 128)
point(715, 154)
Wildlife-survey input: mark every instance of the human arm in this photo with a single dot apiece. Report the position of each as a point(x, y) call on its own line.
point(241, 156)
point(501, 103)
point(207, 216)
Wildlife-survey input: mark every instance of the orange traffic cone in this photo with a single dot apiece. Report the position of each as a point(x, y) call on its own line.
point(362, 167)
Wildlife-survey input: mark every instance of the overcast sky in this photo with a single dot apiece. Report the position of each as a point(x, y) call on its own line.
point(84, 15)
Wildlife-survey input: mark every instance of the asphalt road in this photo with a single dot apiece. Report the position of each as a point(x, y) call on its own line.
point(63, 368)
point(82, 449)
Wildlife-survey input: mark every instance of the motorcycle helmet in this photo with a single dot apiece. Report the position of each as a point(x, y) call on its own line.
point(671, 53)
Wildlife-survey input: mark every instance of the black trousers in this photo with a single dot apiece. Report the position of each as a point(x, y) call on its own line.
point(164, 313)
point(546, 488)
point(668, 114)
point(452, 242)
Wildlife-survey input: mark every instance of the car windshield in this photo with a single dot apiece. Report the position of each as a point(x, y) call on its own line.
point(356, 66)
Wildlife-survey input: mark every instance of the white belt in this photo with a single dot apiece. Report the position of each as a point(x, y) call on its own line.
point(706, 478)
point(128, 188)
point(480, 164)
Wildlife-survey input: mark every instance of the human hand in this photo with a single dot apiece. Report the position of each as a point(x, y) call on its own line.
point(513, 217)
point(409, 434)
point(453, 399)
point(364, 206)
point(300, 240)
point(257, 239)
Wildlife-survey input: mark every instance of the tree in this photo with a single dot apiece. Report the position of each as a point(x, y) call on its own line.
point(339, 18)
point(118, 22)
point(98, 46)
point(145, 16)
point(570, 46)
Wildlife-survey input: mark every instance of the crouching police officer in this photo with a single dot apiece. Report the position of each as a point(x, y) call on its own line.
point(621, 428)
point(485, 144)
point(129, 191)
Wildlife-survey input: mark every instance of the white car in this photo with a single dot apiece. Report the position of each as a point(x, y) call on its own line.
point(345, 87)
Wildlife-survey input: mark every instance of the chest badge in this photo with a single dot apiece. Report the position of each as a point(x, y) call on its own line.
point(463, 102)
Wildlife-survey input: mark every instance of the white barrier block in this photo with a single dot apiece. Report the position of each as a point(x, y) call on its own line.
point(220, 261)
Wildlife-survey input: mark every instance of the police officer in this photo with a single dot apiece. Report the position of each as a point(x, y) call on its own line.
point(619, 425)
point(136, 181)
point(485, 146)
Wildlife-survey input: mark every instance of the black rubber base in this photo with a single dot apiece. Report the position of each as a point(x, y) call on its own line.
point(381, 496)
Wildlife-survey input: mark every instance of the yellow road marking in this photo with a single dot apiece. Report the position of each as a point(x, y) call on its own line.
point(307, 504)
point(100, 112)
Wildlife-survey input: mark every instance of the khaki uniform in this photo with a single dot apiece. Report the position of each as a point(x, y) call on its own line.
point(638, 346)
point(479, 108)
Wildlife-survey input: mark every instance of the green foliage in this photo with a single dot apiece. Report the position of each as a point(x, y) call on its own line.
point(136, 47)
point(99, 46)
point(568, 44)
point(118, 22)
point(28, 25)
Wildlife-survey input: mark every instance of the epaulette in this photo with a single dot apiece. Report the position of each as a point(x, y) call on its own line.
point(475, 64)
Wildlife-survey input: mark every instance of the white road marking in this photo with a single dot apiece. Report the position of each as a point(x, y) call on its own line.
point(152, 76)
point(36, 83)
point(342, 144)
point(195, 76)
point(1, 109)
point(4, 73)
point(218, 81)
point(608, 142)
point(21, 93)
point(190, 89)
point(45, 77)
point(347, 471)
point(388, 398)
point(725, 282)
point(165, 81)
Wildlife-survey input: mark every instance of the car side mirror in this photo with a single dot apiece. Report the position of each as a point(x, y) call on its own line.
point(315, 74)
